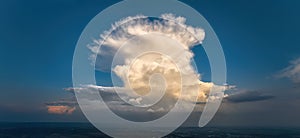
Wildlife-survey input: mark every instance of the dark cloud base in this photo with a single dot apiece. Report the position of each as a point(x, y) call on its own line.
point(248, 96)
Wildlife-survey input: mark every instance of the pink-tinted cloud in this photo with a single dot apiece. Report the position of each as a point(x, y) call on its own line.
point(60, 109)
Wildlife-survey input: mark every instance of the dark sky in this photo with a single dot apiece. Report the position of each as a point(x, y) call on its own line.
point(259, 39)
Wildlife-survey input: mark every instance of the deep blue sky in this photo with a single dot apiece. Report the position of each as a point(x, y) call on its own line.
point(37, 41)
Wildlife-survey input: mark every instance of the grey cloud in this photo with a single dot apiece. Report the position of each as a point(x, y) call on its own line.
point(248, 96)
point(91, 91)
point(63, 102)
point(117, 105)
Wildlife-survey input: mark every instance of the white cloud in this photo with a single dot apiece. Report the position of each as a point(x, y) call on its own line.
point(173, 39)
point(170, 26)
point(291, 72)
point(136, 100)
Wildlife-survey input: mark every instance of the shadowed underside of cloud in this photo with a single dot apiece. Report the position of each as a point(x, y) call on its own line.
point(247, 96)
point(89, 96)
point(113, 100)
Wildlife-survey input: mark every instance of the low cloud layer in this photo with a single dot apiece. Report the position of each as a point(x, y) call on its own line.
point(64, 106)
point(247, 96)
point(60, 109)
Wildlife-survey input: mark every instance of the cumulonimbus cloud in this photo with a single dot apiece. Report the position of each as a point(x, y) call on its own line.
point(134, 35)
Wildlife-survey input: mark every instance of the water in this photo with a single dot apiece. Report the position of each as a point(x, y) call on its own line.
point(86, 130)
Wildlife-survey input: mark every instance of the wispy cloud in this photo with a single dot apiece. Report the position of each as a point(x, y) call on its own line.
point(291, 72)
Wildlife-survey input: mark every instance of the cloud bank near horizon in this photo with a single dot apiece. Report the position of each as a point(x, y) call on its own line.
point(63, 106)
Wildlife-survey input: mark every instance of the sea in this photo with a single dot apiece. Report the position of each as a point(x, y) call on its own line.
point(86, 130)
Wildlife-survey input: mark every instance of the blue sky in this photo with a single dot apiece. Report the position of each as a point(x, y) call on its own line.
point(37, 41)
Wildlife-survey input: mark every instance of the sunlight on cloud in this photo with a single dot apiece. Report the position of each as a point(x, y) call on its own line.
point(60, 109)
point(135, 35)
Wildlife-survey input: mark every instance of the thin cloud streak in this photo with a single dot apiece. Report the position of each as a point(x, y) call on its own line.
point(291, 72)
